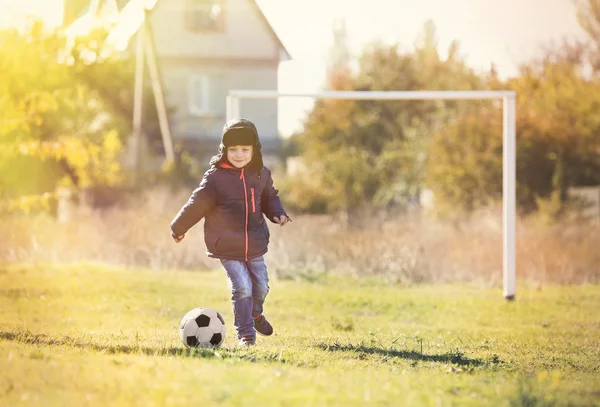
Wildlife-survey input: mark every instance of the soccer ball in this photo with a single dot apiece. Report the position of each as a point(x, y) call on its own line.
point(202, 327)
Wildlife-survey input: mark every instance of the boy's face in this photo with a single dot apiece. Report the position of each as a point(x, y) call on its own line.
point(239, 156)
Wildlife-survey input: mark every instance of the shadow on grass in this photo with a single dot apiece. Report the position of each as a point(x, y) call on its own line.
point(45, 340)
point(360, 351)
point(455, 356)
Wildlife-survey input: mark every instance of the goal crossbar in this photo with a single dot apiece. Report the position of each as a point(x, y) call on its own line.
point(378, 95)
point(508, 142)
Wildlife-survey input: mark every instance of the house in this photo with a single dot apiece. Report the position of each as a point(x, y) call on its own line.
point(204, 49)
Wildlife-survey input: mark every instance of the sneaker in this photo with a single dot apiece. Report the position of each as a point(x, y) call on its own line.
point(263, 326)
point(247, 341)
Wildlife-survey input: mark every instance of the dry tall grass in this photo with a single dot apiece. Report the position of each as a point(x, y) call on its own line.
point(407, 249)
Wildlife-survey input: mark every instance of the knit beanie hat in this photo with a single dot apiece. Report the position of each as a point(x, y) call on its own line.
point(240, 132)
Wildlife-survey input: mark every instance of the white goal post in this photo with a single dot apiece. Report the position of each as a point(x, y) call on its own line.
point(508, 157)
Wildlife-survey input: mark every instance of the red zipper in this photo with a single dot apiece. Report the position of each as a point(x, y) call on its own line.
point(246, 203)
point(253, 205)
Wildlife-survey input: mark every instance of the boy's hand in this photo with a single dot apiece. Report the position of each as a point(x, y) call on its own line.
point(177, 238)
point(282, 220)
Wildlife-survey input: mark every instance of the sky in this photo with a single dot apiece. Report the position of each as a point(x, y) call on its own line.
point(505, 32)
point(15, 12)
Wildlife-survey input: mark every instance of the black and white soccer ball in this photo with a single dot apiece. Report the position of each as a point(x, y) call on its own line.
point(202, 327)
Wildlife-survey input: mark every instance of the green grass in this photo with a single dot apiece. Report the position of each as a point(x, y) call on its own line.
point(97, 335)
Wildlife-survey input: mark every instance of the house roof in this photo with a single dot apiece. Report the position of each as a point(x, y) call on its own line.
point(78, 7)
point(270, 27)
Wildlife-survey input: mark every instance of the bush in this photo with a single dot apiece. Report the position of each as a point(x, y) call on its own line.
point(407, 249)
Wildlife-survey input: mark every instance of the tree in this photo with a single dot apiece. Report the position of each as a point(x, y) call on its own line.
point(464, 164)
point(366, 154)
point(588, 14)
point(62, 117)
point(371, 153)
point(340, 56)
point(558, 126)
point(558, 139)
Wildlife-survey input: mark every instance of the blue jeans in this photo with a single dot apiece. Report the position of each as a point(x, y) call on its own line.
point(249, 283)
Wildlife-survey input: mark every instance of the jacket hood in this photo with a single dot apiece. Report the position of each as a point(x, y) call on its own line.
point(240, 132)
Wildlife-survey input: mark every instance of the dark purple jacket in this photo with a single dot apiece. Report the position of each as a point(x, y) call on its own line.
point(233, 202)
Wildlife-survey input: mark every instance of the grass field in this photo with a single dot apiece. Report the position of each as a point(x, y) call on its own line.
point(90, 334)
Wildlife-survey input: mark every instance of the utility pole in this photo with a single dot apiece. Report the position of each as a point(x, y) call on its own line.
point(163, 118)
point(138, 104)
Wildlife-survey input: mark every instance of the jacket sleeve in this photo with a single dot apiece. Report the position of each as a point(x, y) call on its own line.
point(200, 203)
point(271, 204)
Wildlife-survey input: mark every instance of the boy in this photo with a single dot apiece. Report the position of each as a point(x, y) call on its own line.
point(233, 196)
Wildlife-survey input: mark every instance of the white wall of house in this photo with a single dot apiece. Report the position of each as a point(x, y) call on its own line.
point(198, 90)
point(200, 61)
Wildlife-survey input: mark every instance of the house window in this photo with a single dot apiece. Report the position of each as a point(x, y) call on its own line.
point(199, 95)
point(205, 15)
